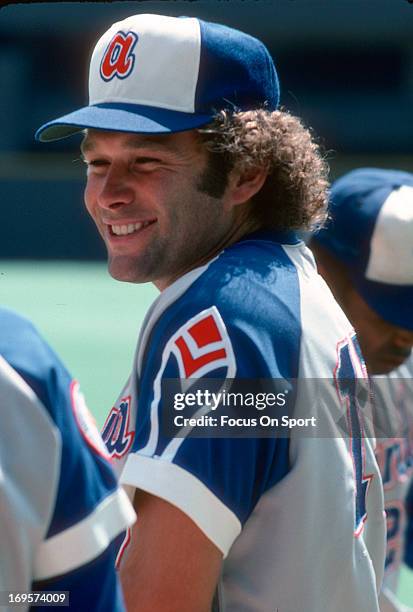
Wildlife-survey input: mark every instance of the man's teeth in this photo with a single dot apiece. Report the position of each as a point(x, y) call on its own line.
point(124, 230)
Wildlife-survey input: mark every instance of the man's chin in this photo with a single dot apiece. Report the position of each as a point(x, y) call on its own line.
point(386, 366)
point(126, 273)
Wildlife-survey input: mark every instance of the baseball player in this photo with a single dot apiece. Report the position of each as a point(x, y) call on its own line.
point(365, 253)
point(197, 182)
point(408, 556)
point(62, 515)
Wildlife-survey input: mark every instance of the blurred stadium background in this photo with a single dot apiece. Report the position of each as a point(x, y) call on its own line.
point(346, 67)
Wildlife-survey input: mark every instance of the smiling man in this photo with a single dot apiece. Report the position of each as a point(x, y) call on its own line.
point(196, 182)
point(141, 192)
point(365, 254)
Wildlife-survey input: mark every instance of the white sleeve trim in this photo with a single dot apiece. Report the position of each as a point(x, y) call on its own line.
point(183, 490)
point(86, 540)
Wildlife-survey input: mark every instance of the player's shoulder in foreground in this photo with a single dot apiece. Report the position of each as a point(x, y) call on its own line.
point(23, 346)
point(245, 301)
point(29, 354)
point(251, 282)
point(83, 511)
point(267, 282)
point(261, 296)
point(256, 270)
point(14, 326)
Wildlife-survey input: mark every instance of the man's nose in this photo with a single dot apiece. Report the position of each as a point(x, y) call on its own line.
point(116, 189)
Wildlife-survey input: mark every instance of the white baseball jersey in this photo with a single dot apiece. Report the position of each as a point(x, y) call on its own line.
point(299, 520)
point(61, 512)
point(394, 423)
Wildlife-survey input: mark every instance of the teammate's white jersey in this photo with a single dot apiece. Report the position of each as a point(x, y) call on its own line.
point(300, 521)
point(61, 511)
point(393, 394)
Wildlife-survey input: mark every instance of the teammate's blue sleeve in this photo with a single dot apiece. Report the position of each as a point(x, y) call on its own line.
point(29, 471)
point(89, 510)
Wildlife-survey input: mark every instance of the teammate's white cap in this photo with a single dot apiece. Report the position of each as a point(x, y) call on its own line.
point(371, 232)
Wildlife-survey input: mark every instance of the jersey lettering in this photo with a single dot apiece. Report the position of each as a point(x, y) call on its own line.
point(116, 434)
point(348, 369)
point(393, 464)
point(394, 520)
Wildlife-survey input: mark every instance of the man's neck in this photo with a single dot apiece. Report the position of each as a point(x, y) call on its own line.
point(239, 230)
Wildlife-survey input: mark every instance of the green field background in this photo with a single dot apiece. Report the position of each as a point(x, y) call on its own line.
point(92, 321)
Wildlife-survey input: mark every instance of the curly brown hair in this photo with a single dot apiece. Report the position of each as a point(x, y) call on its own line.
point(294, 195)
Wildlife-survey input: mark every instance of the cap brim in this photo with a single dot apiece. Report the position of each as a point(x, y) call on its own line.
point(121, 118)
point(394, 303)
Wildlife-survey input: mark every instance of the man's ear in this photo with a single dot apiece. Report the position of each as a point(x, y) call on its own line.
point(243, 185)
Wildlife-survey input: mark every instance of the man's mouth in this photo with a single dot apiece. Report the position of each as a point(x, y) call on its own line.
point(130, 228)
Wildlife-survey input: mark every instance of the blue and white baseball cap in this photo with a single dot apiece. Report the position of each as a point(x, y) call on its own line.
point(157, 74)
point(371, 232)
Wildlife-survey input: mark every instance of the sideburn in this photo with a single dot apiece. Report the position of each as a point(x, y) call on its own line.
point(214, 179)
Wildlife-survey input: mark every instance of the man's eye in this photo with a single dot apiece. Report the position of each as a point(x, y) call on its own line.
point(147, 161)
point(96, 162)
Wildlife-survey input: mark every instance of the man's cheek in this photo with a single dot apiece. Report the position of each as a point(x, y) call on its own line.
point(88, 200)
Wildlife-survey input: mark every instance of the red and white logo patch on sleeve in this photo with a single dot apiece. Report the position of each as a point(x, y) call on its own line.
point(202, 345)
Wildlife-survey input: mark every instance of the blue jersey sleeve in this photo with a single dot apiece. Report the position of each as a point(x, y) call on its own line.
point(89, 512)
point(216, 481)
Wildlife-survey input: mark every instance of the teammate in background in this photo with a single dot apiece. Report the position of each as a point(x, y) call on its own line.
point(197, 182)
point(61, 511)
point(365, 253)
point(408, 556)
